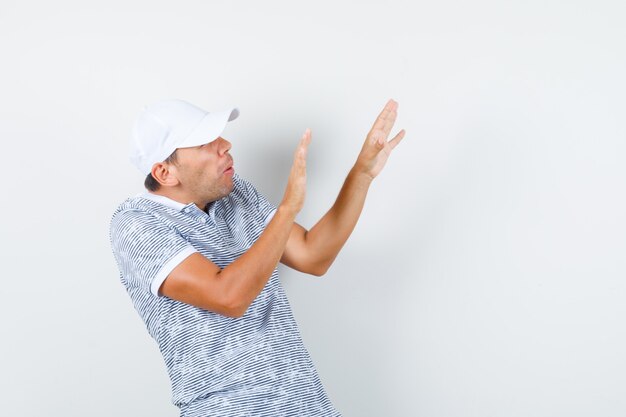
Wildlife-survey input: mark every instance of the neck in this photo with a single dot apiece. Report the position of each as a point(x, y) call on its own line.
point(180, 197)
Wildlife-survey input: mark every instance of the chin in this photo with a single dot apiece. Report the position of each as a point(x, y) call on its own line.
point(228, 189)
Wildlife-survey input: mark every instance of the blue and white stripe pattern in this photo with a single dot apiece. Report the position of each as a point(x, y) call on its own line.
point(255, 365)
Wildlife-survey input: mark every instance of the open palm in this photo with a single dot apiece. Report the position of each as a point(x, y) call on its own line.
point(377, 148)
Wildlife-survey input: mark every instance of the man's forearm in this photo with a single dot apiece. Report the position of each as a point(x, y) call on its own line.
point(249, 273)
point(330, 233)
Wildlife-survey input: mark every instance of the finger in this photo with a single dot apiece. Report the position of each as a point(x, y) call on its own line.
point(304, 142)
point(382, 119)
point(379, 123)
point(306, 138)
point(389, 122)
point(397, 139)
point(301, 151)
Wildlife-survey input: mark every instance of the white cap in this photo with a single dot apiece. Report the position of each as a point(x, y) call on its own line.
point(166, 125)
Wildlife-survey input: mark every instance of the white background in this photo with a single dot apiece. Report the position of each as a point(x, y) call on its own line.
point(486, 274)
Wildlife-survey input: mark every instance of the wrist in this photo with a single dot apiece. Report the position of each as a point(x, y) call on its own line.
point(360, 175)
point(287, 211)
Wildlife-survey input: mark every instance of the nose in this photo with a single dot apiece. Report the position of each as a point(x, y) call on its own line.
point(223, 145)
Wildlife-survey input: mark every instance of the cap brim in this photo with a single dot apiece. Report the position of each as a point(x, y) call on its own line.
point(210, 128)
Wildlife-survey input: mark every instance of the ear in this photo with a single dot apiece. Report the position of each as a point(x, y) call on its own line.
point(165, 174)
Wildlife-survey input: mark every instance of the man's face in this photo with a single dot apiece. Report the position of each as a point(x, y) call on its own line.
point(205, 172)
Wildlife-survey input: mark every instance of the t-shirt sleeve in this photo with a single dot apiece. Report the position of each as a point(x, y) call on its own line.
point(146, 249)
point(266, 208)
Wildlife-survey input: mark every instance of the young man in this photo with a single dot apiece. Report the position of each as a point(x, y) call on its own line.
point(198, 255)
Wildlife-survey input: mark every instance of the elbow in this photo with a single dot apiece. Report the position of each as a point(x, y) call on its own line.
point(319, 269)
point(235, 306)
point(231, 302)
point(232, 312)
point(230, 306)
point(235, 314)
point(226, 310)
point(234, 309)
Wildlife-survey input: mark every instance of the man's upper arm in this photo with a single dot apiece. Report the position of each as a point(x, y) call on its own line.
point(197, 281)
point(156, 258)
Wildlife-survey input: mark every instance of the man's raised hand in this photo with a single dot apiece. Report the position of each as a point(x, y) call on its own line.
point(296, 184)
point(377, 148)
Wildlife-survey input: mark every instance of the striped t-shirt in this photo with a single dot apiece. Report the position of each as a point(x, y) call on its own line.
point(255, 365)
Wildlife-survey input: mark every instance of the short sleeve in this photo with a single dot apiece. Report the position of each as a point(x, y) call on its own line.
point(266, 208)
point(146, 249)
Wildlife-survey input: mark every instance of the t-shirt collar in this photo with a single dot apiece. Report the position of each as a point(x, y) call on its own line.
point(166, 201)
